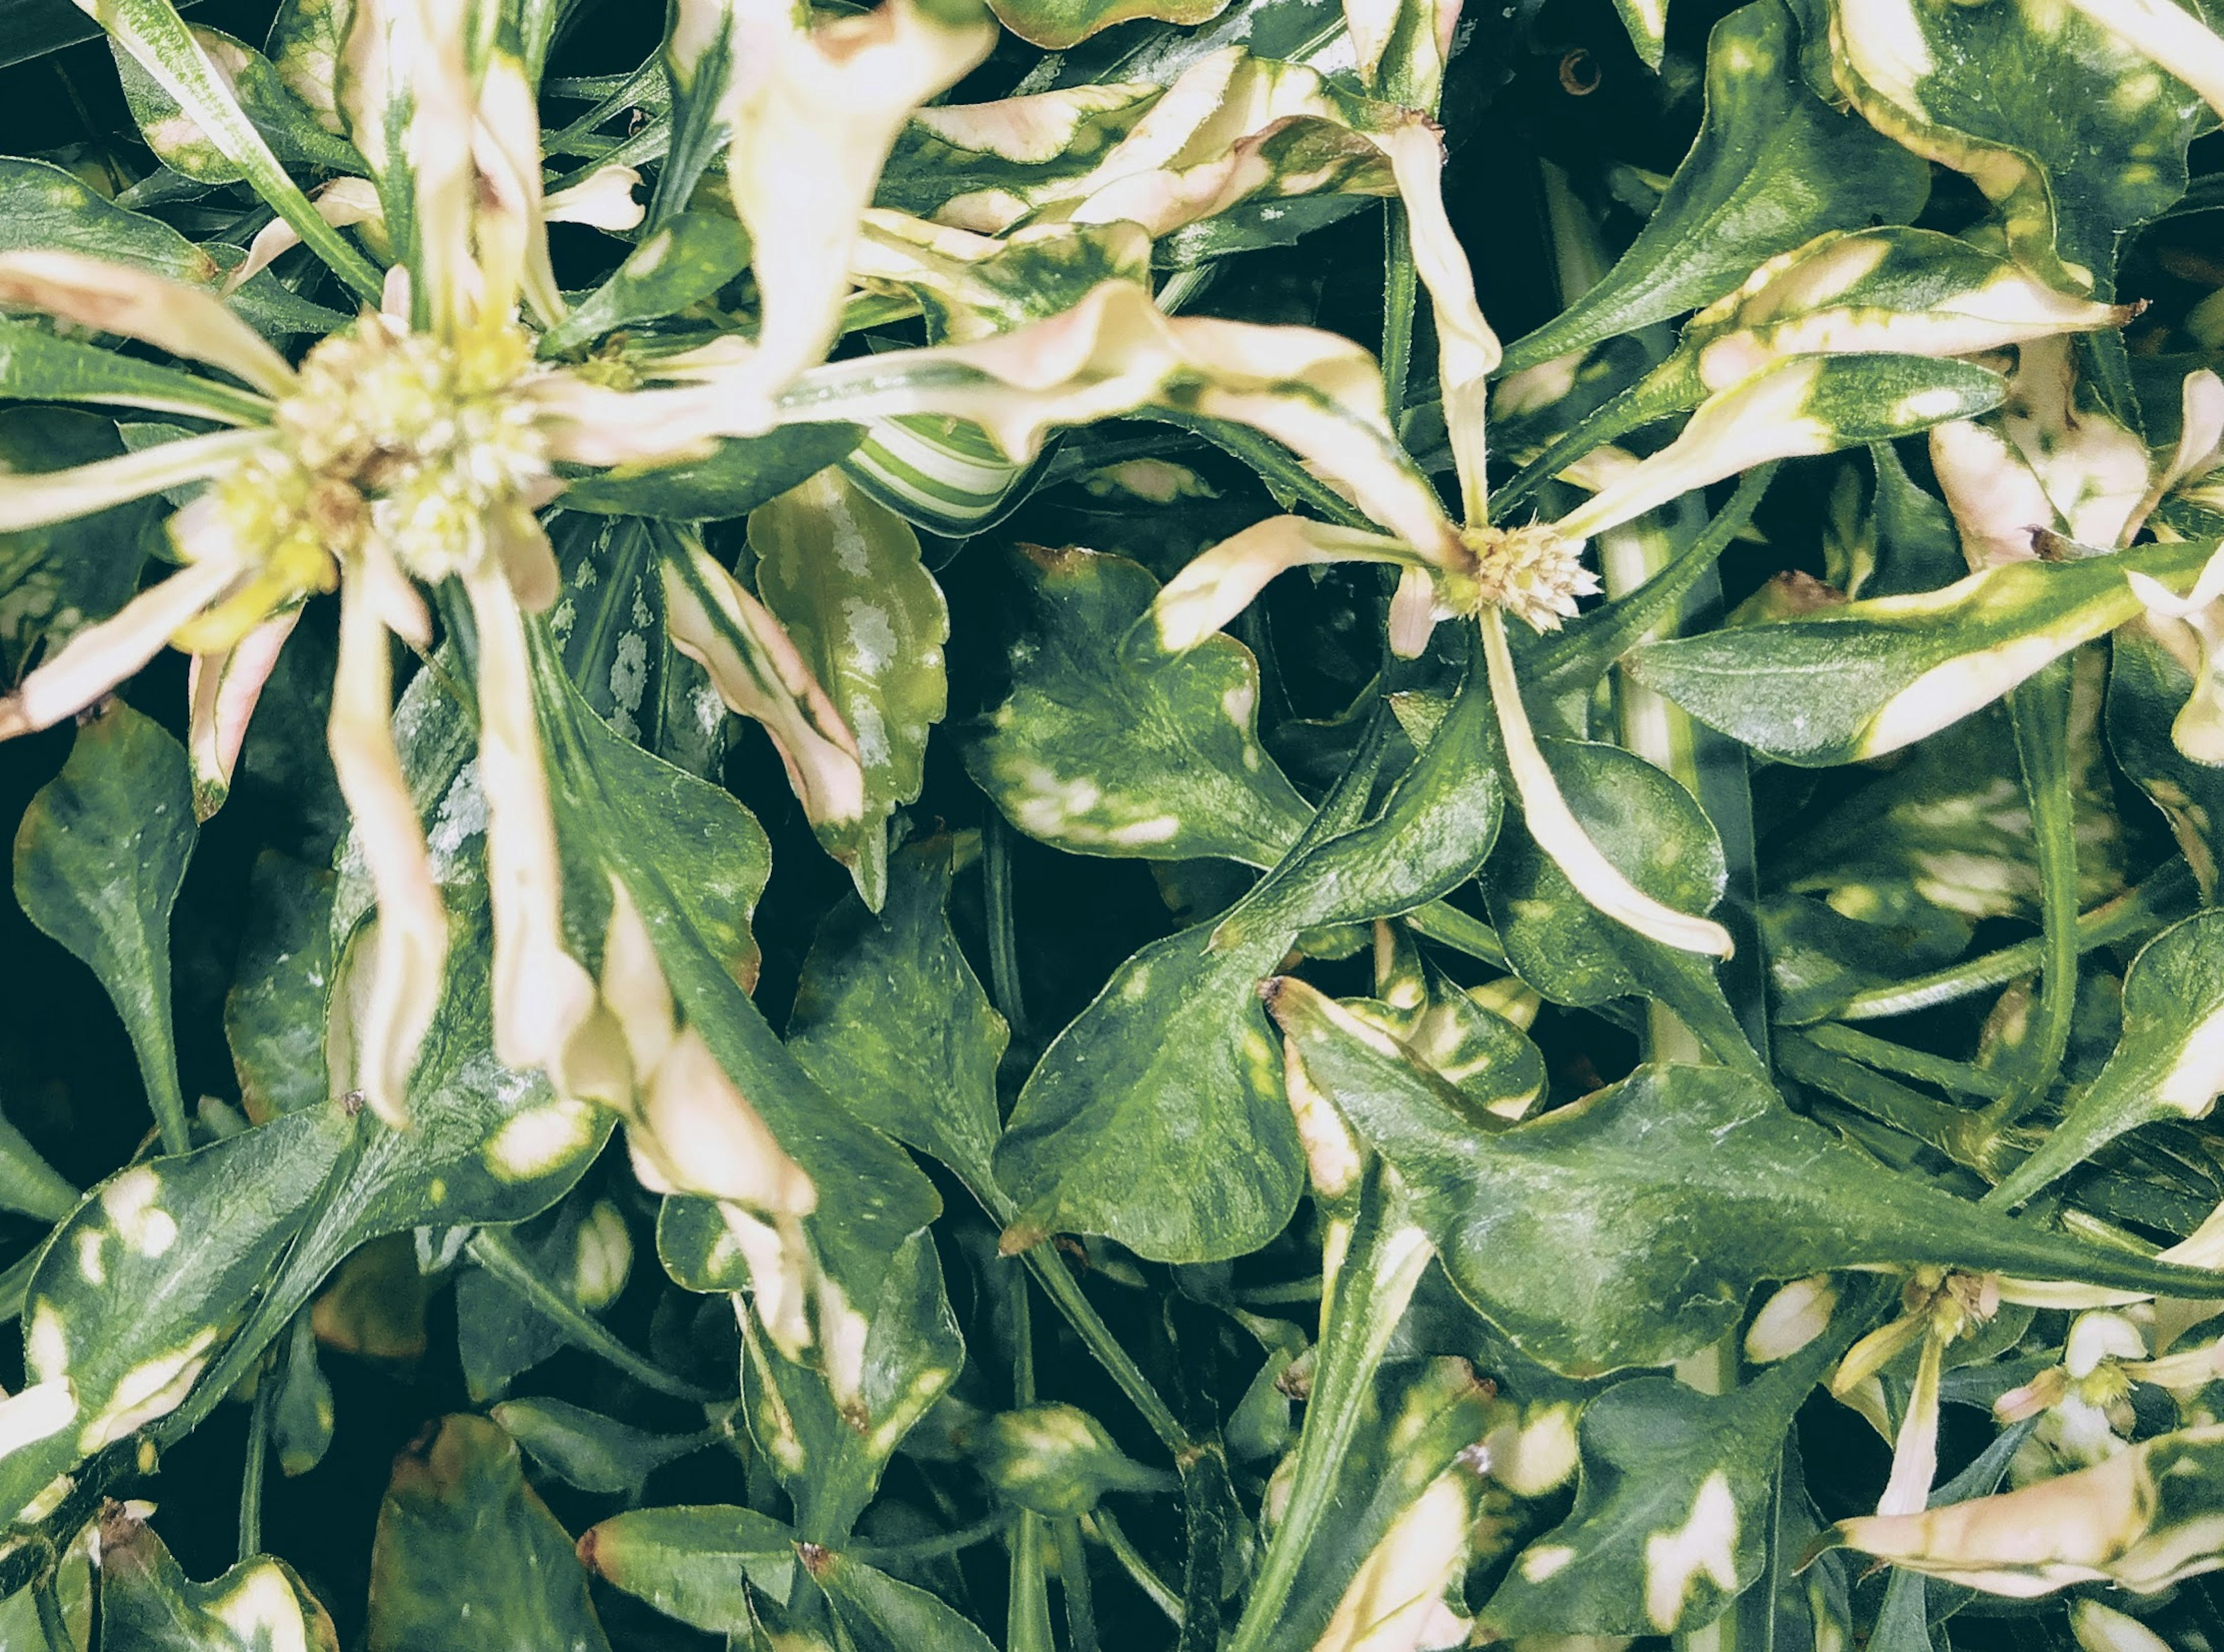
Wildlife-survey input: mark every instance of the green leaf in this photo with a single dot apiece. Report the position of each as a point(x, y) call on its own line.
point(1866, 679)
point(582, 1250)
point(1098, 755)
point(285, 124)
point(690, 858)
point(273, 1016)
point(1172, 1063)
point(1061, 23)
point(829, 1457)
point(884, 1616)
point(2071, 132)
point(56, 580)
point(157, 38)
point(467, 1558)
point(301, 1408)
point(2148, 686)
point(148, 1602)
point(843, 573)
point(136, 1290)
point(590, 1451)
point(1772, 167)
point(2169, 1063)
point(100, 857)
point(890, 1014)
point(1671, 1513)
point(48, 208)
point(739, 476)
point(691, 1563)
point(1628, 1229)
point(28, 1185)
point(35, 365)
point(1655, 834)
point(682, 263)
point(1170, 1067)
point(1056, 1461)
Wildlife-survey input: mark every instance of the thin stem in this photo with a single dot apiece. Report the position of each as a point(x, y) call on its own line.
point(1073, 1583)
point(1132, 1562)
point(1003, 924)
point(251, 1469)
point(494, 1251)
point(1065, 1295)
point(1027, 1623)
point(927, 1548)
point(52, 1624)
point(2039, 711)
point(2169, 894)
point(1886, 1056)
point(1400, 293)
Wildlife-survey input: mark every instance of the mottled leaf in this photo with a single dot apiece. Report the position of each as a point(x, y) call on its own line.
point(1628, 1229)
point(147, 1601)
point(683, 262)
point(1774, 166)
point(1100, 755)
point(589, 1450)
point(691, 1563)
point(843, 573)
point(738, 475)
point(50, 208)
point(1655, 833)
point(1865, 678)
point(468, 1559)
point(56, 580)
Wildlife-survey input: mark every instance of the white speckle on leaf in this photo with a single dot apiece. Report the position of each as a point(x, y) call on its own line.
point(462, 817)
point(535, 1142)
point(1542, 1562)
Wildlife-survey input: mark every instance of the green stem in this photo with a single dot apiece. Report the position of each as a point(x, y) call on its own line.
point(1003, 924)
point(494, 1251)
point(1400, 293)
point(1957, 1076)
point(52, 1625)
point(1073, 1582)
point(251, 1471)
point(1952, 1131)
point(2039, 710)
point(1065, 1295)
point(1381, 1264)
point(1027, 1623)
point(2168, 895)
point(1132, 1562)
point(928, 1549)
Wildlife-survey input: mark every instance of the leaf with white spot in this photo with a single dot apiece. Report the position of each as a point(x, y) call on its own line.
point(1652, 830)
point(1865, 678)
point(843, 573)
point(2073, 134)
point(1173, 1064)
point(100, 857)
point(1099, 754)
point(2148, 683)
point(135, 1292)
point(829, 1457)
point(1772, 167)
point(1670, 1520)
point(273, 1016)
point(467, 1557)
point(147, 1601)
point(1628, 1229)
point(289, 126)
point(2169, 1063)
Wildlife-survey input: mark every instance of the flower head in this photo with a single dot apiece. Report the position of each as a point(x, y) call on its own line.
point(1534, 573)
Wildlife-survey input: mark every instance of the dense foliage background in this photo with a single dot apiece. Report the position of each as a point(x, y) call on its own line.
point(1158, 1369)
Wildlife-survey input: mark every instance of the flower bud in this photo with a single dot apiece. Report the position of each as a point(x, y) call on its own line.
point(1057, 1461)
